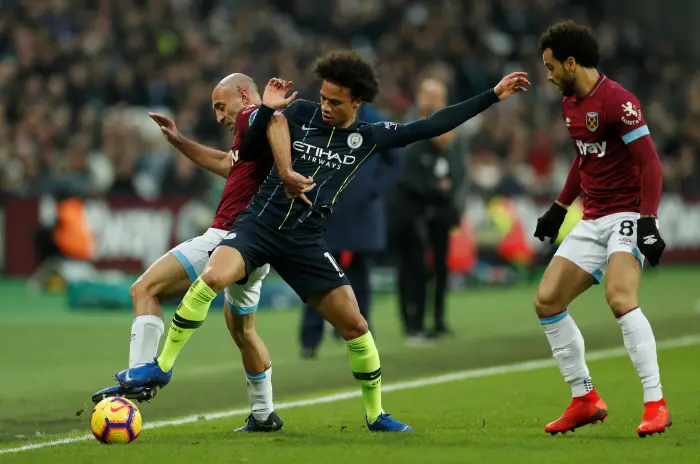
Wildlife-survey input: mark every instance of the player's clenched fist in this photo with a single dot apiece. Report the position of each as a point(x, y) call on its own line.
point(549, 223)
point(649, 240)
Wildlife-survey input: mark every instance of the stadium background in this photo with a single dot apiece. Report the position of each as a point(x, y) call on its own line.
point(77, 79)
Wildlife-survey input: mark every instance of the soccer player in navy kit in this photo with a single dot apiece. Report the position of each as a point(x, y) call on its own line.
point(317, 149)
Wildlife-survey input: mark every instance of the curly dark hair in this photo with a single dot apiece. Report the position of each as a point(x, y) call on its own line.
point(349, 69)
point(566, 38)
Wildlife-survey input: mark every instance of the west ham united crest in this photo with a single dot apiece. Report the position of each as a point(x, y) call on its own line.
point(354, 140)
point(592, 121)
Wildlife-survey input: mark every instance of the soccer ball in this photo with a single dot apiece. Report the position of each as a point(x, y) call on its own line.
point(115, 420)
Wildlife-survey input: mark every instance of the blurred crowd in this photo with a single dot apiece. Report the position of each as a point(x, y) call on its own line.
point(77, 78)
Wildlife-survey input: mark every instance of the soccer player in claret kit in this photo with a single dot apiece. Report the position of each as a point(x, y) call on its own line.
point(327, 147)
point(235, 101)
point(619, 172)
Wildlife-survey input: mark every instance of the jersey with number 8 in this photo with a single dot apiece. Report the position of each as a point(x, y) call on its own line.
point(602, 126)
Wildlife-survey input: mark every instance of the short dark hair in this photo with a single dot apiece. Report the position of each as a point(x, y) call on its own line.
point(566, 38)
point(349, 69)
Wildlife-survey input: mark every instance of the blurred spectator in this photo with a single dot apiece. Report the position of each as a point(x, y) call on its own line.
point(76, 78)
point(424, 207)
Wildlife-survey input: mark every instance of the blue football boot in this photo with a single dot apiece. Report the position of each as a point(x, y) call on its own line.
point(148, 375)
point(273, 423)
point(139, 394)
point(385, 423)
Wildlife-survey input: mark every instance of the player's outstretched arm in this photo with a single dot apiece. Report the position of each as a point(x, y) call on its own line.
point(389, 135)
point(215, 161)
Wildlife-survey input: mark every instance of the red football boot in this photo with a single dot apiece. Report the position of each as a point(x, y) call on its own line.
point(587, 409)
point(656, 418)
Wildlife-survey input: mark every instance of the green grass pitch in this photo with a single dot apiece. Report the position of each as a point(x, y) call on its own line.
point(53, 360)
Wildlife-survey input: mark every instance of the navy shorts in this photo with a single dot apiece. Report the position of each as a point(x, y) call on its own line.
point(303, 261)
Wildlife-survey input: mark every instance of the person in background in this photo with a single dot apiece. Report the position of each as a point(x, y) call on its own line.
point(356, 231)
point(425, 205)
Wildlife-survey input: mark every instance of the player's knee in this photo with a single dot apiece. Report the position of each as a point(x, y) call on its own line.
point(548, 304)
point(216, 279)
point(354, 328)
point(141, 289)
point(620, 299)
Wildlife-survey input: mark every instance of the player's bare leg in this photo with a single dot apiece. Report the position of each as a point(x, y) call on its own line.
point(163, 280)
point(562, 282)
point(225, 267)
point(340, 308)
point(258, 370)
point(621, 290)
point(254, 353)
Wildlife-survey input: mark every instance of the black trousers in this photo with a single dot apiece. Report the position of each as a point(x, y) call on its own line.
point(418, 229)
point(358, 273)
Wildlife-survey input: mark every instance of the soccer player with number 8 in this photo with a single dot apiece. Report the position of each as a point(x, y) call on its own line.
point(617, 168)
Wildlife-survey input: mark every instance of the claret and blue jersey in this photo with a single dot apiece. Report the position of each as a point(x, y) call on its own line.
point(613, 152)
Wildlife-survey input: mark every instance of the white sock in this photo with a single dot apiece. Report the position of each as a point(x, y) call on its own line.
point(145, 337)
point(569, 351)
point(641, 346)
point(259, 388)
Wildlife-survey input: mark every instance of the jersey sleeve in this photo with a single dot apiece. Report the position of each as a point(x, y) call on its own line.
point(245, 118)
point(392, 134)
point(253, 132)
point(624, 114)
point(387, 134)
point(572, 187)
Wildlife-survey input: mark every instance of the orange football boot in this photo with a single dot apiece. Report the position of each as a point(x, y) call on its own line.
point(583, 410)
point(656, 418)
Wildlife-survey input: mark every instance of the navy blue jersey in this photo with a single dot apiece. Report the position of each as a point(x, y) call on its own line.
point(332, 155)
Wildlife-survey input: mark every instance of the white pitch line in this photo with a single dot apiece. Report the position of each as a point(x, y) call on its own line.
point(419, 383)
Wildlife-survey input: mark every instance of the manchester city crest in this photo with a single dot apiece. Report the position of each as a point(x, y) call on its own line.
point(592, 121)
point(354, 140)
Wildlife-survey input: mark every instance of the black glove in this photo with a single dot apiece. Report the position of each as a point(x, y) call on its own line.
point(649, 240)
point(548, 225)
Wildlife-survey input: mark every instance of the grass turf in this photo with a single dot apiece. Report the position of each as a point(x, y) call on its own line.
point(55, 359)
